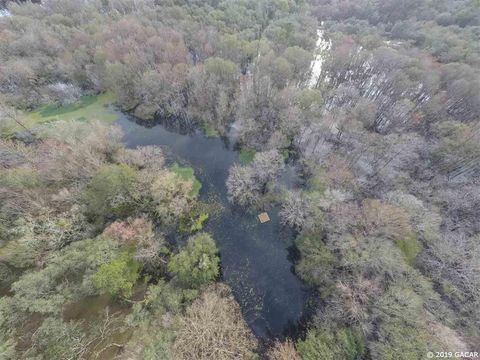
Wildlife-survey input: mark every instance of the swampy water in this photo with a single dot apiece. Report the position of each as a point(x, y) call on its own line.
point(254, 257)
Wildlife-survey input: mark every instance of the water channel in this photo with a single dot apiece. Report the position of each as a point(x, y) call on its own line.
point(255, 257)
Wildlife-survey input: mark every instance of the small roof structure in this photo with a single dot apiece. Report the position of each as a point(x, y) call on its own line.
point(263, 217)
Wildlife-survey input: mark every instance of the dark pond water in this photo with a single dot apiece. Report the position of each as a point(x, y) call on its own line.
point(255, 257)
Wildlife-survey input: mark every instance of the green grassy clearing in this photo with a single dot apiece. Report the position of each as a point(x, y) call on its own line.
point(93, 107)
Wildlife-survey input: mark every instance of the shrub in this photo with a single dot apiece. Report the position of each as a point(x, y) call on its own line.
point(399, 341)
point(380, 259)
point(74, 152)
point(243, 188)
point(246, 155)
point(146, 157)
point(139, 233)
point(159, 346)
point(19, 178)
point(187, 173)
point(172, 196)
point(224, 69)
point(300, 210)
point(353, 299)
point(400, 320)
point(109, 193)
point(267, 165)
point(283, 351)
point(246, 184)
point(66, 277)
point(213, 328)
point(7, 347)
point(118, 276)
point(163, 297)
point(316, 261)
point(459, 284)
point(331, 344)
point(193, 221)
point(131, 231)
point(56, 339)
point(410, 248)
point(317, 180)
point(385, 220)
point(458, 146)
point(334, 174)
point(196, 264)
point(308, 98)
point(49, 231)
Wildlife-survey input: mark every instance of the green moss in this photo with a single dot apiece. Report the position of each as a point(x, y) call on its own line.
point(188, 174)
point(246, 155)
point(92, 107)
point(410, 248)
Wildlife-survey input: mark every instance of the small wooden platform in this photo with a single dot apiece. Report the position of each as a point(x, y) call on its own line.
point(263, 217)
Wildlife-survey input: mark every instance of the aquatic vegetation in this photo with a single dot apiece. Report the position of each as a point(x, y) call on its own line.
point(187, 173)
point(210, 131)
point(193, 221)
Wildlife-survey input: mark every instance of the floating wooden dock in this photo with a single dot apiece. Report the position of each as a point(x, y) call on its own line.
point(263, 217)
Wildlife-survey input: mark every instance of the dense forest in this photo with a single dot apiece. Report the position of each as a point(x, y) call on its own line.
point(103, 252)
